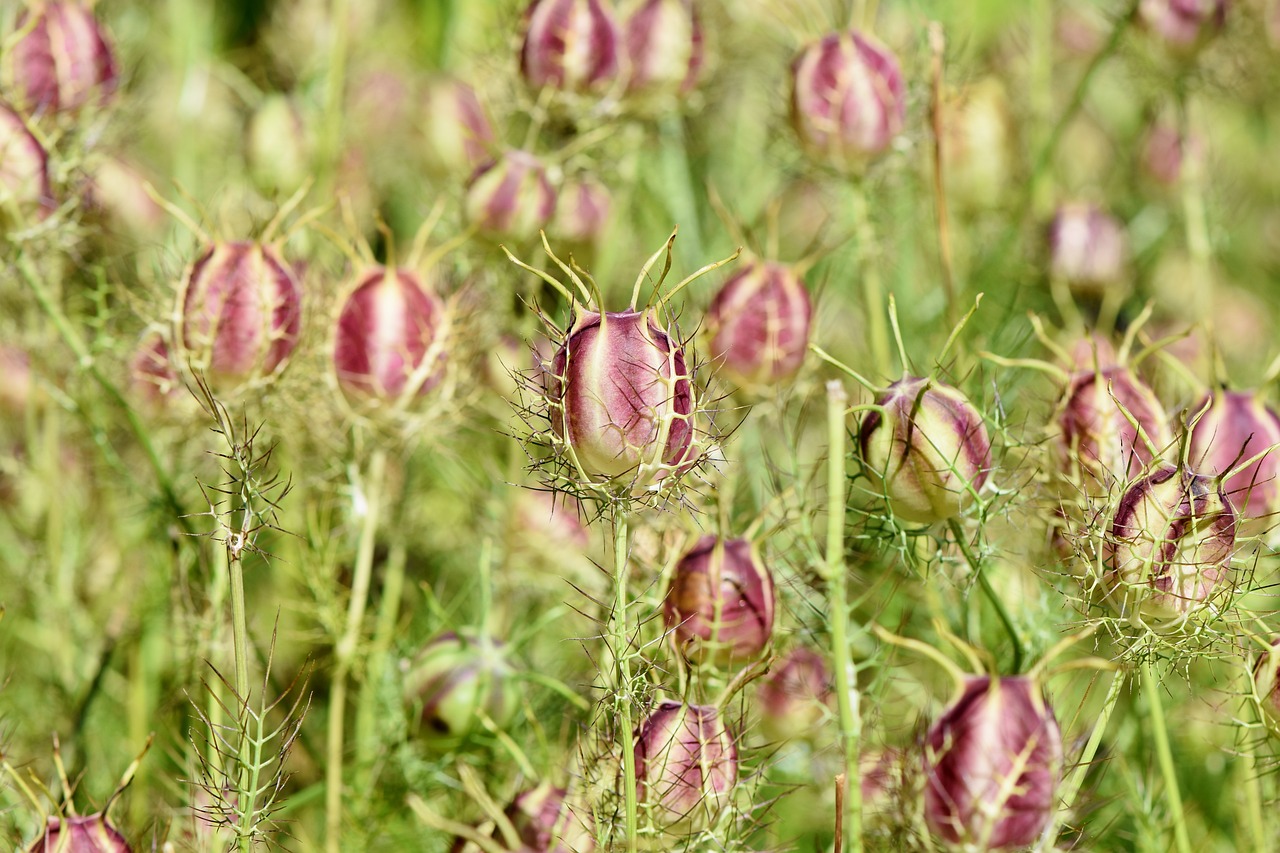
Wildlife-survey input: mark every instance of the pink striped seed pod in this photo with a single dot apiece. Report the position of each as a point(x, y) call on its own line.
point(239, 311)
point(1165, 151)
point(24, 170)
point(511, 198)
point(992, 765)
point(664, 45)
point(1168, 551)
point(1088, 249)
point(793, 698)
point(571, 45)
point(582, 212)
point(89, 834)
point(390, 339)
point(848, 100)
point(153, 379)
point(457, 135)
point(1232, 428)
point(719, 605)
point(1266, 682)
point(455, 679)
point(686, 766)
point(926, 451)
point(62, 61)
point(1111, 426)
point(1183, 26)
point(546, 822)
point(622, 399)
point(758, 326)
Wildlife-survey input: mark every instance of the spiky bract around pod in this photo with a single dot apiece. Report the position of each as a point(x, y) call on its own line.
point(686, 766)
point(1110, 428)
point(758, 325)
point(720, 603)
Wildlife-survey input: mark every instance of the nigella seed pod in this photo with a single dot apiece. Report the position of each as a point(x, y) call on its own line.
point(1088, 249)
point(719, 606)
point(1183, 26)
point(1168, 551)
point(24, 169)
point(456, 133)
point(926, 450)
point(390, 339)
point(793, 697)
point(992, 765)
point(622, 398)
point(571, 45)
point(582, 212)
point(1232, 428)
point(239, 311)
point(511, 198)
point(847, 100)
point(454, 680)
point(1109, 422)
point(152, 376)
point(1266, 682)
point(88, 834)
point(758, 325)
point(664, 49)
point(686, 766)
point(546, 822)
point(62, 61)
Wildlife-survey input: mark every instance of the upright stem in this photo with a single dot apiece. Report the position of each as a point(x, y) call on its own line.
point(978, 569)
point(872, 287)
point(1195, 221)
point(847, 699)
point(240, 640)
point(373, 488)
point(1164, 754)
point(621, 639)
point(1072, 786)
point(379, 654)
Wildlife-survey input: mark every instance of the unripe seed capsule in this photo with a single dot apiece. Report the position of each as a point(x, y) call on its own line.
point(546, 823)
point(686, 766)
point(572, 45)
point(456, 678)
point(62, 62)
point(1184, 26)
point(1232, 428)
point(793, 697)
point(664, 47)
point(457, 133)
point(992, 765)
point(926, 450)
point(1109, 422)
point(24, 169)
point(582, 212)
point(88, 834)
point(759, 325)
point(511, 198)
point(720, 604)
point(1087, 247)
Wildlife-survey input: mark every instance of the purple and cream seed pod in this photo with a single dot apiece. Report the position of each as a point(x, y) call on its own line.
point(546, 822)
point(571, 45)
point(80, 834)
point(992, 765)
point(239, 311)
point(1266, 682)
point(1165, 151)
point(24, 169)
point(758, 325)
point(153, 379)
point(1168, 551)
point(511, 198)
point(1229, 429)
point(1088, 249)
point(1183, 26)
point(925, 450)
point(686, 762)
point(390, 339)
point(794, 696)
point(62, 61)
point(1111, 427)
point(457, 135)
point(848, 100)
point(454, 680)
point(583, 206)
point(719, 605)
point(664, 43)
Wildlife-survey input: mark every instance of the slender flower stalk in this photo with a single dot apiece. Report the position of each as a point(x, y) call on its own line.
point(872, 286)
point(620, 636)
point(1160, 734)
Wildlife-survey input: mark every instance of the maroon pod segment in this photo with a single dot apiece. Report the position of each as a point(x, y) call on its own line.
point(546, 823)
point(1088, 249)
point(24, 169)
point(62, 62)
point(1169, 548)
point(1184, 26)
point(574, 45)
point(239, 312)
point(847, 100)
point(456, 131)
point(90, 834)
point(1109, 421)
point(389, 344)
point(622, 398)
point(719, 606)
point(686, 766)
point(793, 697)
point(1234, 427)
point(664, 48)
point(511, 198)
point(759, 325)
point(926, 451)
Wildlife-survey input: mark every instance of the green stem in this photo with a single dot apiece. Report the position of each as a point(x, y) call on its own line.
point(379, 657)
point(621, 638)
point(335, 86)
point(978, 569)
point(345, 651)
point(1195, 220)
point(872, 285)
point(219, 576)
point(837, 580)
point(1076, 780)
point(1164, 754)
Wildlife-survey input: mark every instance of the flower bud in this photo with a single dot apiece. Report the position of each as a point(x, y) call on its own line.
point(511, 198)
point(277, 146)
point(90, 834)
point(1233, 427)
point(1110, 421)
point(546, 823)
point(664, 48)
point(926, 451)
point(992, 765)
point(622, 398)
point(239, 312)
point(977, 145)
point(793, 697)
point(1183, 26)
point(24, 169)
point(582, 212)
point(1169, 548)
point(389, 342)
point(686, 766)
point(1087, 247)
point(62, 61)
point(572, 45)
point(456, 133)
point(847, 100)
point(759, 326)
point(116, 194)
point(719, 607)
point(457, 678)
